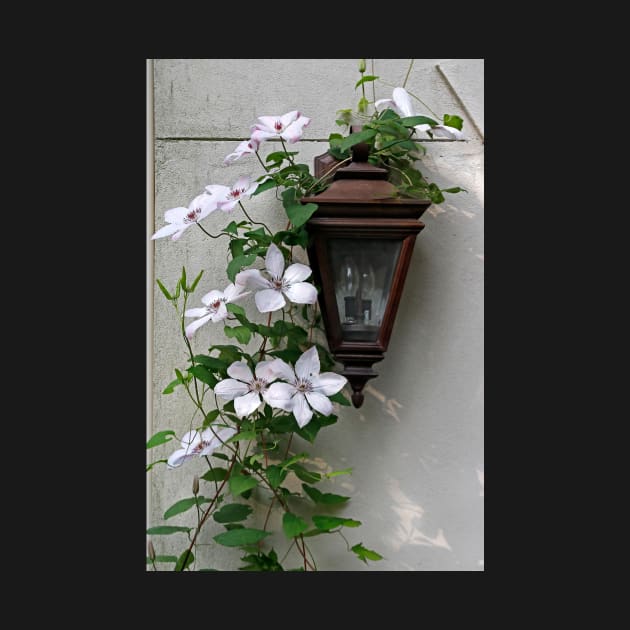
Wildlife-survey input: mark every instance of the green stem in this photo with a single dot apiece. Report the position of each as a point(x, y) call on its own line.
point(252, 220)
point(338, 531)
point(330, 170)
point(216, 485)
point(408, 72)
point(207, 513)
point(261, 162)
point(211, 235)
point(290, 158)
point(373, 82)
point(287, 553)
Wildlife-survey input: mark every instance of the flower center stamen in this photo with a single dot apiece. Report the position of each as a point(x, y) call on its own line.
point(278, 125)
point(277, 283)
point(304, 386)
point(214, 307)
point(258, 385)
point(191, 217)
point(235, 193)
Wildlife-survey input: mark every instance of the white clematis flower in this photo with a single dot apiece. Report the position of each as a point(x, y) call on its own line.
point(226, 198)
point(214, 308)
point(244, 388)
point(444, 131)
point(180, 219)
point(304, 388)
point(195, 444)
point(270, 297)
point(401, 104)
point(289, 127)
point(245, 147)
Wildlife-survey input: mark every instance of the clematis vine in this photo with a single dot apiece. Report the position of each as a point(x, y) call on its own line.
point(401, 104)
point(195, 444)
point(226, 198)
point(304, 388)
point(214, 308)
point(289, 127)
point(270, 296)
point(244, 388)
point(180, 219)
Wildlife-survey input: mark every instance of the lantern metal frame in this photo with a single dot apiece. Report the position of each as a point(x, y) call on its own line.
point(360, 204)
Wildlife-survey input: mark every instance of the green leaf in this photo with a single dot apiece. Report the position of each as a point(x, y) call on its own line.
point(365, 79)
point(340, 398)
point(293, 525)
point(159, 461)
point(456, 189)
point(235, 308)
point(210, 418)
point(212, 363)
point(366, 554)
point(232, 512)
point(231, 228)
point(183, 278)
point(161, 437)
point(326, 498)
point(162, 559)
point(326, 523)
point(266, 185)
point(183, 505)
point(292, 460)
point(239, 537)
point(355, 138)
point(236, 247)
point(275, 475)
point(279, 156)
point(236, 264)
point(229, 406)
point(310, 431)
point(165, 530)
point(241, 483)
point(187, 557)
point(290, 355)
point(453, 121)
point(164, 290)
point(203, 374)
point(228, 354)
point(259, 236)
point(305, 475)
point(193, 286)
point(242, 333)
point(298, 213)
point(221, 456)
point(171, 386)
point(435, 194)
point(243, 435)
point(412, 121)
point(336, 473)
point(216, 474)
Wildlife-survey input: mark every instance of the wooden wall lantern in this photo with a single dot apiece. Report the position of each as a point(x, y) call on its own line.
point(361, 239)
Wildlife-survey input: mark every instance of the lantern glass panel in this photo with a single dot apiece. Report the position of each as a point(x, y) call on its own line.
point(363, 271)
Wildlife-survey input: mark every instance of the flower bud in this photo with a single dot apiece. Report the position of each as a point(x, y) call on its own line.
point(151, 551)
point(361, 66)
point(196, 485)
point(363, 105)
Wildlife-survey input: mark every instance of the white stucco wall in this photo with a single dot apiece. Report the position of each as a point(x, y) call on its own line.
point(416, 445)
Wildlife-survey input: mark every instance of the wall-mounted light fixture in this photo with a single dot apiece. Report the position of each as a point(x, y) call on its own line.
point(360, 243)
